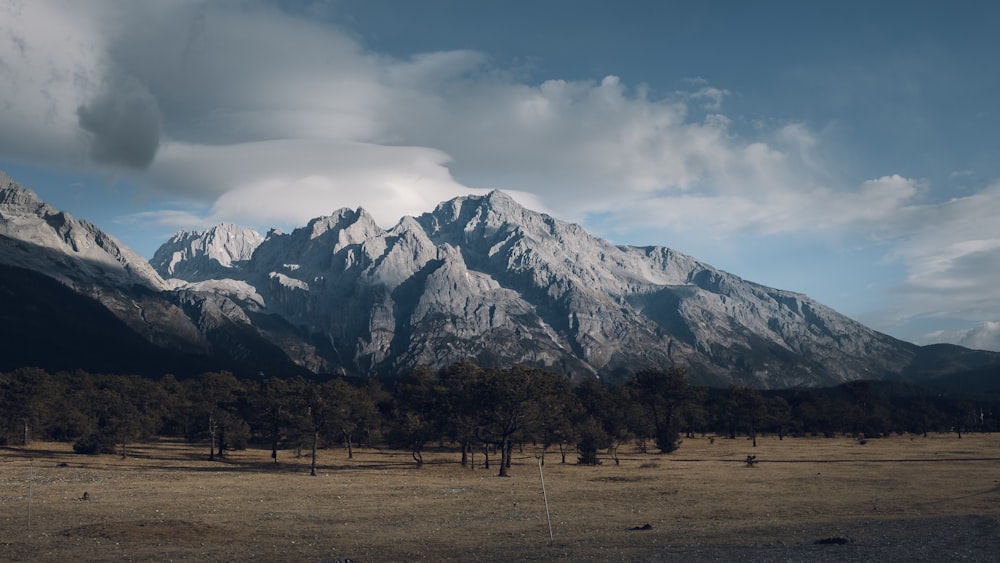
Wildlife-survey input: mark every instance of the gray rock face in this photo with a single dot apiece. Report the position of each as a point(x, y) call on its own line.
point(205, 255)
point(483, 278)
point(187, 321)
point(75, 252)
point(478, 278)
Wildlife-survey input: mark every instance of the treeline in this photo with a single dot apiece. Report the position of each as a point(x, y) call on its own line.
point(465, 406)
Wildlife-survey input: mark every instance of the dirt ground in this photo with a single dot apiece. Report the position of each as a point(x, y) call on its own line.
point(807, 499)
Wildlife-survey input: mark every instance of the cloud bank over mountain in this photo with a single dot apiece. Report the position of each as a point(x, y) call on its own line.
point(300, 103)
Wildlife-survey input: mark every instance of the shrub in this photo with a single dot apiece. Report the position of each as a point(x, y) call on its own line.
point(94, 444)
point(590, 438)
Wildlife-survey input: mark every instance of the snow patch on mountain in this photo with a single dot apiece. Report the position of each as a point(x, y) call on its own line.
point(237, 290)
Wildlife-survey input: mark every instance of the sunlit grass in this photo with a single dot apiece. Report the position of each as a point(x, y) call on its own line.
point(167, 501)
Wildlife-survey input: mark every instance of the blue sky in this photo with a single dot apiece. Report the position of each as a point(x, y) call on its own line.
point(844, 150)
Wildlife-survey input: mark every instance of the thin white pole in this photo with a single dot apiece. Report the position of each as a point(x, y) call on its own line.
point(546, 499)
point(31, 477)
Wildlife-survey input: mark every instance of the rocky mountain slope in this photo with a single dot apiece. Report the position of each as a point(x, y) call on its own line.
point(212, 254)
point(483, 278)
point(479, 278)
point(77, 253)
point(56, 324)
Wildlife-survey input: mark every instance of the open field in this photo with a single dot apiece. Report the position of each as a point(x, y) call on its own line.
point(895, 499)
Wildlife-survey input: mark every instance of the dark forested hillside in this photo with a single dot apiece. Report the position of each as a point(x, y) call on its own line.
point(45, 324)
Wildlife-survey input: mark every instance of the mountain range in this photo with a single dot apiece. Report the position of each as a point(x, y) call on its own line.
point(479, 278)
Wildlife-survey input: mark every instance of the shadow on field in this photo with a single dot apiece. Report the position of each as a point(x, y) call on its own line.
point(865, 460)
point(30, 452)
point(182, 457)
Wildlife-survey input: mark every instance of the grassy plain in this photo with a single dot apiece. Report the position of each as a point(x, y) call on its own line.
point(899, 498)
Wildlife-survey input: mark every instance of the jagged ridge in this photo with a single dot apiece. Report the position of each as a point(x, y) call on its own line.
point(479, 277)
point(205, 255)
point(83, 252)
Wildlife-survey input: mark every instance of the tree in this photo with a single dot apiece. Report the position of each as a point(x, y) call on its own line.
point(352, 412)
point(635, 415)
point(213, 396)
point(923, 416)
point(25, 393)
point(318, 410)
point(963, 415)
point(297, 422)
point(70, 404)
point(461, 412)
point(870, 412)
point(141, 408)
point(590, 437)
point(750, 406)
point(418, 409)
point(272, 400)
point(117, 419)
point(556, 407)
point(600, 421)
point(118, 410)
point(508, 404)
point(693, 415)
point(819, 414)
point(663, 393)
point(176, 406)
point(779, 415)
point(376, 401)
point(329, 410)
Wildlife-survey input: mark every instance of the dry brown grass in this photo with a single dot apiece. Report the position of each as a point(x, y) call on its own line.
point(891, 499)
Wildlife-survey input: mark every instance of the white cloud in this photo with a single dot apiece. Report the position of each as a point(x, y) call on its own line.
point(952, 255)
point(290, 182)
point(243, 116)
point(984, 337)
point(225, 73)
point(174, 219)
point(49, 63)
